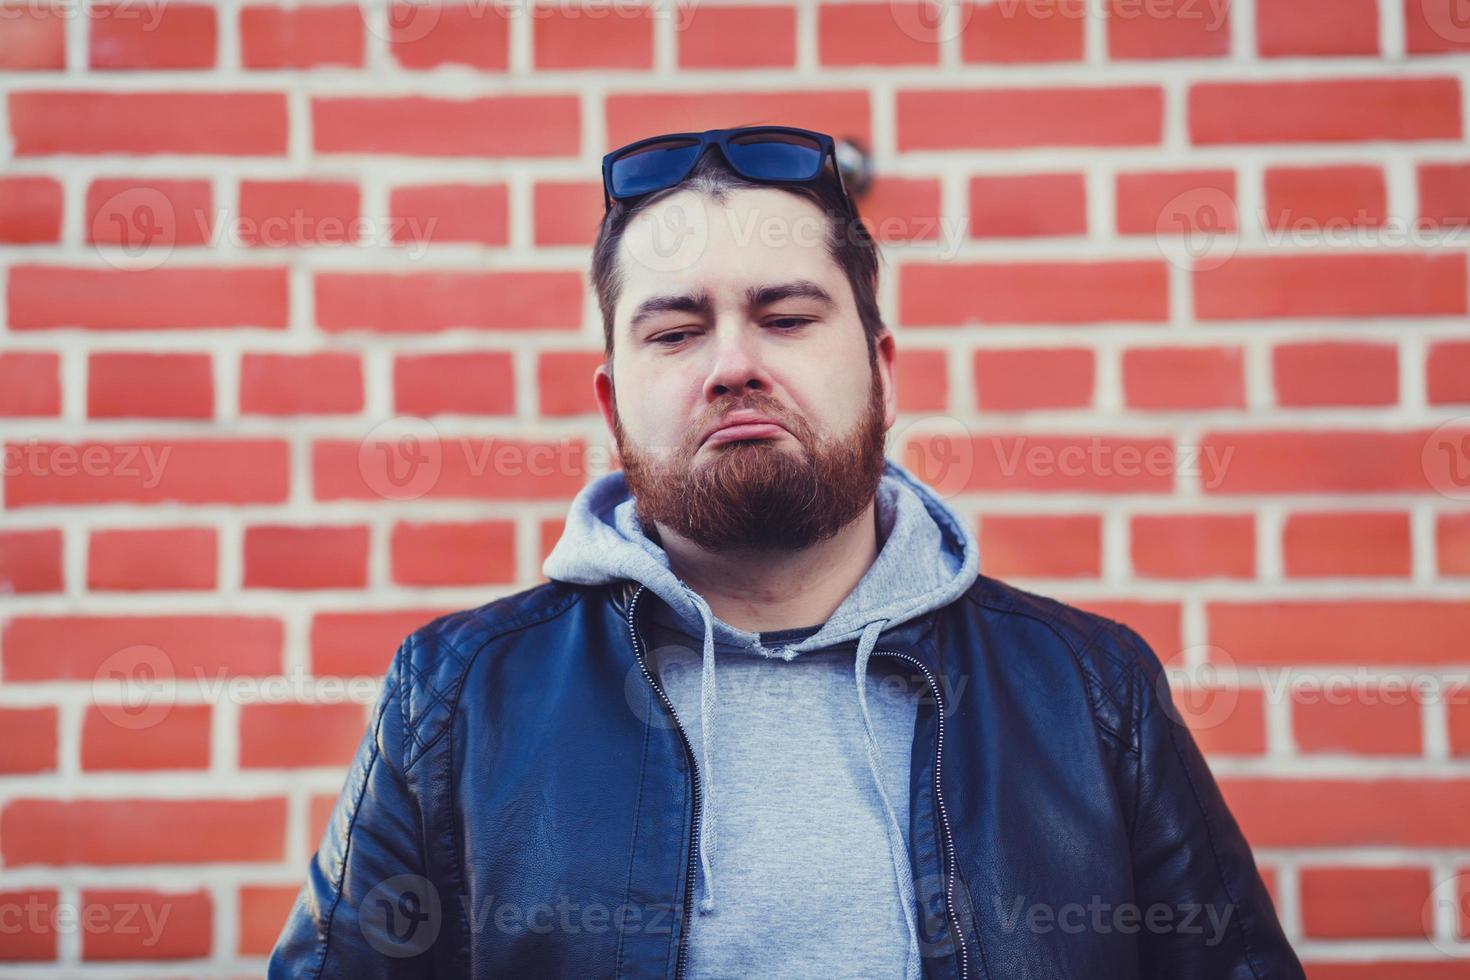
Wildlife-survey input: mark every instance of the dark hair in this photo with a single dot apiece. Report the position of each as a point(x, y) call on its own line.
point(848, 240)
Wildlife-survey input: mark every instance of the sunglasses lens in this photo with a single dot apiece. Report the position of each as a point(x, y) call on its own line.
point(778, 156)
point(651, 167)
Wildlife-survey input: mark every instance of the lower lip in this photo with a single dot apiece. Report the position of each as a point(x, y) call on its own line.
point(749, 430)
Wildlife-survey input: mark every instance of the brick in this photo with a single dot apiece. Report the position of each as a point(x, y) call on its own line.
point(144, 123)
point(898, 33)
point(328, 557)
point(142, 831)
point(35, 38)
point(263, 913)
point(319, 815)
point(36, 941)
point(160, 386)
point(1129, 115)
point(1041, 545)
point(1002, 462)
point(140, 214)
point(30, 208)
point(1223, 720)
point(1361, 284)
point(922, 379)
point(176, 36)
point(566, 212)
point(1360, 631)
point(1019, 379)
point(1026, 205)
point(1308, 198)
point(1332, 720)
point(1286, 28)
point(27, 741)
point(1336, 461)
point(1395, 811)
point(301, 37)
point(1452, 543)
point(1435, 27)
point(959, 294)
point(1459, 724)
point(44, 297)
point(274, 213)
point(491, 126)
point(1447, 371)
point(737, 37)
point(1311, 374)
point(323, 383)
point(30, 561)
point(146, 925)
point(1011, 32)
point(592, 34)
point(564, 382)
point(62, 648)
point(1145, 29)
point(461, 468)
point(1341, 543)
point(427, 36)
point(135, 559)
point(1376, 969)
point(422, 301)
point(1365, 903)
point(1193, 546)
point(460, 553)
point(361, 644)
point(1152, 202)
point(1444, 196)
point(632, 116)
point(177, 740)
point(198, 471)
point(459, 383)
point(551, 530)
point(1183, 378)
point(280, 736)
point(897, 209)
point(478, 213)
point(1328, 110)
point(30, 384)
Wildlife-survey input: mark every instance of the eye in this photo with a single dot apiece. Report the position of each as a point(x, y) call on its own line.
point(671, 338)
point(792, 322)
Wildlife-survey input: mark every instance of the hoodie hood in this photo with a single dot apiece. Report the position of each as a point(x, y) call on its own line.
point(926, 560)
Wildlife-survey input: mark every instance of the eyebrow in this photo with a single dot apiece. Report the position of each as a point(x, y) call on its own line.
point(755, 297)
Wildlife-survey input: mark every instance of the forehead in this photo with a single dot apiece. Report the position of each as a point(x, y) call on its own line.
point(688, 244)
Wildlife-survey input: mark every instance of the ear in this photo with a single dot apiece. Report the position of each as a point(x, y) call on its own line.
point(602, 390)
point(884, 348)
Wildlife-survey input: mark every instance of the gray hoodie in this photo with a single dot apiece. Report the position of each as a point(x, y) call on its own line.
point(927, 559)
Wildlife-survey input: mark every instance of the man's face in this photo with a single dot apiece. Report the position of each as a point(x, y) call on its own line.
point(747, 409)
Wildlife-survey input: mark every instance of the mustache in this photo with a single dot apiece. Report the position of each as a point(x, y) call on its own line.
point(753, 401)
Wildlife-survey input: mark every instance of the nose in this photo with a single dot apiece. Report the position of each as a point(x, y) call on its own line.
point(737, 368)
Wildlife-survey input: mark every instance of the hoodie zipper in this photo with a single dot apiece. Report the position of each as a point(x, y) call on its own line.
point(943, 816)
point(694, 780)
point(694, 777)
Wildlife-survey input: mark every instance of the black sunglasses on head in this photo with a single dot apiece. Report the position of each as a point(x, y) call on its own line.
point(767, 154)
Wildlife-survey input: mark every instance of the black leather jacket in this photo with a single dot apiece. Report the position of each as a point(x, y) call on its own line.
point(522, 805)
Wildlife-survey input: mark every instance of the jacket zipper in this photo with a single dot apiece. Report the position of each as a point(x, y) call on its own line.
point(694, 771)
point(694, 774)
point(943, 815)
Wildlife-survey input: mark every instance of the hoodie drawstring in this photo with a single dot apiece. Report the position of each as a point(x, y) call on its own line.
point(896, 848)
point(706, 737)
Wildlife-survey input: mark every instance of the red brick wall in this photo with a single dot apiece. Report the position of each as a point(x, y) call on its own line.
point(1180, 288)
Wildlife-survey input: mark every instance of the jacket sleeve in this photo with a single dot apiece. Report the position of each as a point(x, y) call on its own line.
point(367, 907)
point(1212, 917)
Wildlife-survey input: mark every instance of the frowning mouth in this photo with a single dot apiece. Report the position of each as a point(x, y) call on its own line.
point(742, 426)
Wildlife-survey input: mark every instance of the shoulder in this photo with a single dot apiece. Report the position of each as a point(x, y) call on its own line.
point(429, 669)
point(1114, 660)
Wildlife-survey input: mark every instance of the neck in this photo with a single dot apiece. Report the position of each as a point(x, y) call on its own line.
point(762, 591)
